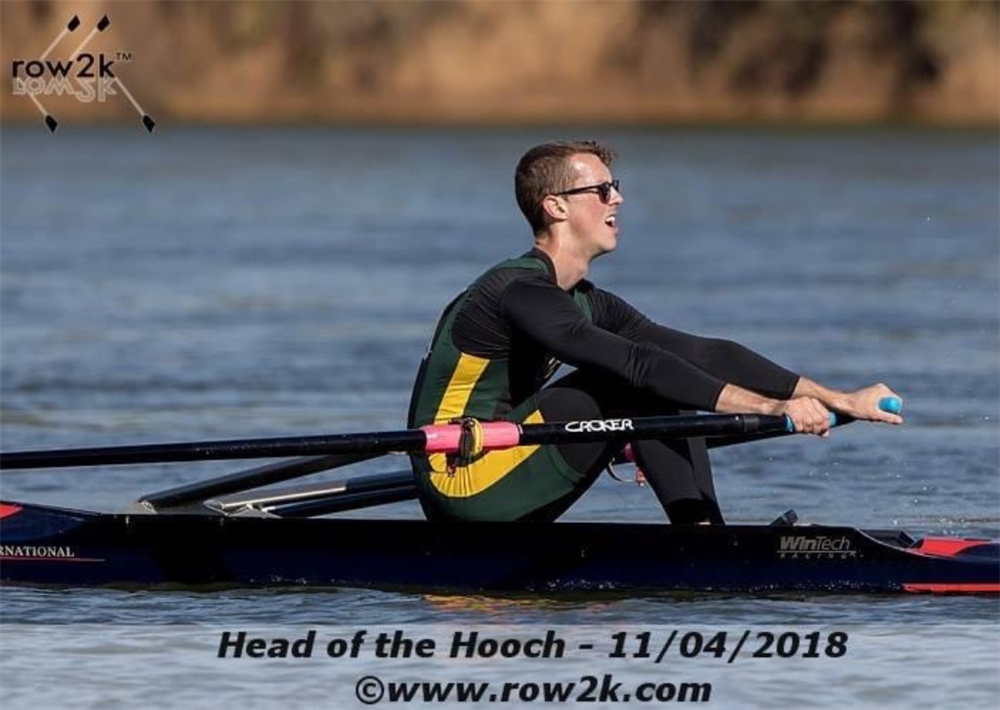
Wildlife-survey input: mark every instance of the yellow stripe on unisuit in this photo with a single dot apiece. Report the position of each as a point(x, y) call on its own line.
point(463, 380)
point(475, 478)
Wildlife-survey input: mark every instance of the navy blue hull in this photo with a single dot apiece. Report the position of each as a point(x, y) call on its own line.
point(52, 546)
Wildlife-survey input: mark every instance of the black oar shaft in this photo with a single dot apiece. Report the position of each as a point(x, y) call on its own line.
point(403, 441)
point(375, 443)
point(652, 428)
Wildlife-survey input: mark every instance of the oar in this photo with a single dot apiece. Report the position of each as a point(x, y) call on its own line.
point(355, 493)
point(444, 438)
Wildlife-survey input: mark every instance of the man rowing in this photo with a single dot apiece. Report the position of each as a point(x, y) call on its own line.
point(498, 343)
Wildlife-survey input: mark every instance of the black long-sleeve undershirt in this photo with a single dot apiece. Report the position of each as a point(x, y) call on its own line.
point(685, 369)
point(724, 359)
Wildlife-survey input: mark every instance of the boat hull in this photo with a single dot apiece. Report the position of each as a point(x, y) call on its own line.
point(42, 545)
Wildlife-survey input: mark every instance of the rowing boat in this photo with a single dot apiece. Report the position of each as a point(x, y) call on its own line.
point(55, 546)
point(216, 533)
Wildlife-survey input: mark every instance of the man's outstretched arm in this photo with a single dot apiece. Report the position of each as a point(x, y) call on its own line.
point(756, 383)
point(724, 359)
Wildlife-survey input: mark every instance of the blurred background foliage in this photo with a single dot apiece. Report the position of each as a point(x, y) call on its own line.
point(530, 61)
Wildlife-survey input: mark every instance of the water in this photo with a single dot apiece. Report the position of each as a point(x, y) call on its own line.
point(213, 283)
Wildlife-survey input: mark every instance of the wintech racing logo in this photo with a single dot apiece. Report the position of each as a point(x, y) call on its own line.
point(86, 76)
point(818, 547)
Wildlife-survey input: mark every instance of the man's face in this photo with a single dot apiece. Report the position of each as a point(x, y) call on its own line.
point(590, 219)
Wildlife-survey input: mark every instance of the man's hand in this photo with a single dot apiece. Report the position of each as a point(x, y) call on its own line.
point(863, 404)
point(807, 414)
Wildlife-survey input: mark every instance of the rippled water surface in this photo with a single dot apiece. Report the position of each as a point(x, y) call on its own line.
point(210, 283)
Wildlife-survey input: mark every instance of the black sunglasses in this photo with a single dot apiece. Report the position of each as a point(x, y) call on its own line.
point(603, 190)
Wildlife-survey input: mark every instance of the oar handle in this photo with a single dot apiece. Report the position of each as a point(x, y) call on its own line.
point(891, 405)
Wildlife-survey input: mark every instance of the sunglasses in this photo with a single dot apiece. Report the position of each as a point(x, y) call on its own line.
point(603, 190)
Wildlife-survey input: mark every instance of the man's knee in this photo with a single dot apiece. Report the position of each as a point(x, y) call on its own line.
point(559, 404)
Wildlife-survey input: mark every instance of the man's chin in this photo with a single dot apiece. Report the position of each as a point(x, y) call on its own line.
point(607, 249)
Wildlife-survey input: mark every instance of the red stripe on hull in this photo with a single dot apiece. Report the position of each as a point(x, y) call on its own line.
point(946, 546)
point(6, 510)
point(946, 588)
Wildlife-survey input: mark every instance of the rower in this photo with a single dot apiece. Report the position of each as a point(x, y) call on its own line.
point(499, 342)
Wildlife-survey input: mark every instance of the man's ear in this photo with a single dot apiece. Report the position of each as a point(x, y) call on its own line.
point(555, 208)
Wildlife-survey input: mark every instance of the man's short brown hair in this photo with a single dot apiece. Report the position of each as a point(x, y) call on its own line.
point(545, 170)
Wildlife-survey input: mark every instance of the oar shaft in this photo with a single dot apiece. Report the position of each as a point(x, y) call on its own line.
point(443, 438)
point(688, 426)
point(375, 443)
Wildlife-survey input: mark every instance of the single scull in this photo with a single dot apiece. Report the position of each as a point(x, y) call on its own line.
point(214, 533)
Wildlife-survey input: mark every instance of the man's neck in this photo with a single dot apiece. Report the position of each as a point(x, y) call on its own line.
point(570, 267)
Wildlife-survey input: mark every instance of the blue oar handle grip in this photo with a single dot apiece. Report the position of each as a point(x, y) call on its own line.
point(892, 405)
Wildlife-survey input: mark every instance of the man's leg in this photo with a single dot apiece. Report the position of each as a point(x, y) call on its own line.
point(536, 483)
point(540, 483)
point(680, 475)
point(588, 460)
point(678, 470)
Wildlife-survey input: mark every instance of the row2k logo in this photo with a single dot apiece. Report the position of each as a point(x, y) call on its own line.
point(85, 76)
